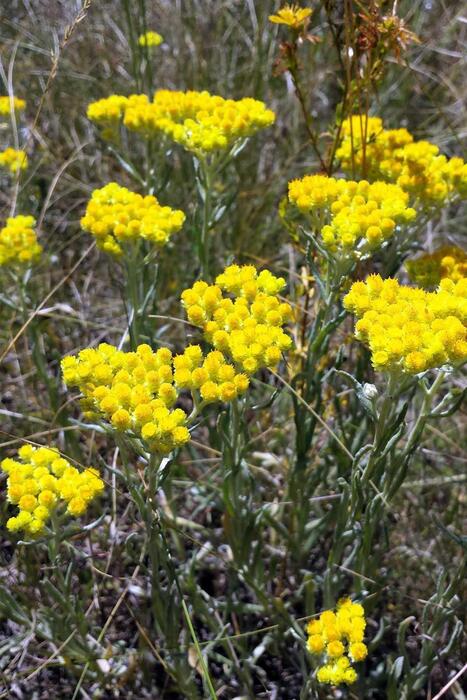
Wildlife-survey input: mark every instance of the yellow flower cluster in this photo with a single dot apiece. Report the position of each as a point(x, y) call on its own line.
point(18, 242)
point(292, 16)
point(136, 391)
point(393, 155)
point(353, 218)
point(5, 104)
point(116, 217)
point(37, 483)
point(200, 122)
point(215, 379)
point(133, 391)
point(247, 328)
point(428, 270)
point(408, 329)
point(150, 39)
point(339, 637)
point(13, 160)
point(108, 110)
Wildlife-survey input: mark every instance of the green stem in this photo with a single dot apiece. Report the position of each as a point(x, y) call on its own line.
point(206, 676)
point(384, 415)
point(206, 221)
point(133, 296)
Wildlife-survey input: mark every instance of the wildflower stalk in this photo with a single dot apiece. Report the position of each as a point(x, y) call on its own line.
point(205, 187)
point(133, 284)
point(206, 676)
point(165, 607)
point(294, 69)
point(378, 472)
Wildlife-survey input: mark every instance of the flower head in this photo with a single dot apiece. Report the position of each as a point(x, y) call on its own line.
point(292, 16)
point(392, 155)
point(247, 327)
point(428, 270)
point(117, 218)
point(136, 392)
point(108, 110)
point(407, 329)
point(354, 218)
point(18, 242)
point(6, 102)
point(150, 39)
point(337, 636)
point(13, 160)
point(40, 481)
point(200, 122)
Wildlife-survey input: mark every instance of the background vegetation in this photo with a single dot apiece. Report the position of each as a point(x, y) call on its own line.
point(248, 614)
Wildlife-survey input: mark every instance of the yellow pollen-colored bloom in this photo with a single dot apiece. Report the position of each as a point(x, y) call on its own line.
point(354, 218)
point(247, 327)
point(292, 16)
point(447, 262)
point(150, 39)
point(117, 218)
point(337, 637)
point(34, 487)
point(409, 330)
point(200, 122)
point(6, 103)
point(13, 160)
point(18, 242)
point(392, 155)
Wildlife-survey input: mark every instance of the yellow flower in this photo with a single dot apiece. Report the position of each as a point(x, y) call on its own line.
point(292, 16)
point(358, 651)
point(392, 155)
point(315, 643)
point(150, 39)
point(337, 636)
point(13, 160)
point(354, 218)
point(247, 328)
point(407, 329)
point(200, 122)
point(117, 217)
point(335, 649)
point(39, 481)
point(18, 242)
point(6, 102)
point(428, 270)
point(135, 391)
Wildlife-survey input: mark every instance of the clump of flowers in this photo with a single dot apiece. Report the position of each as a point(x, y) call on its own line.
point(337, 637)
point(447, 262)
point(107, 111)
point(13, 160)
point(199, 121)
point(392, 155)
point(353, 218)
point(5, 104)
point(117, 217)
point(136, 391)
point(212, 376)
point(242, 316)
point(150, 39)
point(407, 329)
point(40, 481)
point(292, 16)
point(18, 242)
